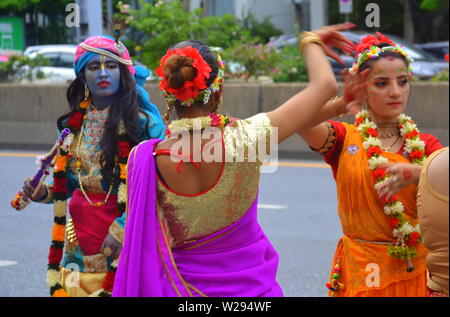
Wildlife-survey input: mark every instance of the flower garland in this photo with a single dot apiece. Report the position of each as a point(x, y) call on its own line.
point(60, 207)
point(407, 236)
point(196, 89)
point(199, 123)
point(368, 49)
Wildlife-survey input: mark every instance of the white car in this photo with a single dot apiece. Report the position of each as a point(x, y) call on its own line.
point(60, 57)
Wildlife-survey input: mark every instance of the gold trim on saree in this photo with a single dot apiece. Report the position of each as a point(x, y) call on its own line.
point(209, 240)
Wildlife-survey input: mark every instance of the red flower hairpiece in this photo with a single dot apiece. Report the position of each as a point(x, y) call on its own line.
point(371, 40)
point(191, 89)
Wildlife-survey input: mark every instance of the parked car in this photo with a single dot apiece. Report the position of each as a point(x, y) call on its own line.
point(60, 59)
point(425, 65)
point(438, 49)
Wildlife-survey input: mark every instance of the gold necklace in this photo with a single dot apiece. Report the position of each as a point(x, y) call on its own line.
point(78, 170)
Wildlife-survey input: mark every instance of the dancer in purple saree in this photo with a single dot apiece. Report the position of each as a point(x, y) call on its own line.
point(192, 226)
point(238, 259)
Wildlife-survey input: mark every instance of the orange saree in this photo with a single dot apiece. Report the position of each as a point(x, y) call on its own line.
point(362, 253)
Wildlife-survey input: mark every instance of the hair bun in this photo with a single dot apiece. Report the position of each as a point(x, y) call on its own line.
point(178, 69)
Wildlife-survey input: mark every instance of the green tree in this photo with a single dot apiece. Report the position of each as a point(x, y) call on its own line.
point(255, 60)
point(260, 31)
point(157, 26)
point(432, 5)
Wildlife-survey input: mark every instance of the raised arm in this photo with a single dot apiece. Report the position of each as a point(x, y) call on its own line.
point(298, 111)
point(316, 133)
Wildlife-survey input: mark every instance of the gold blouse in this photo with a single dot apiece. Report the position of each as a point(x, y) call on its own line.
point(189, 218)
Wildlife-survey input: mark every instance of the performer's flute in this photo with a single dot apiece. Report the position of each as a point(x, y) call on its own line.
point(18, 202)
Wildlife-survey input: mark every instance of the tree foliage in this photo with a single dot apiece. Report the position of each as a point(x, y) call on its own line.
point(157, 26)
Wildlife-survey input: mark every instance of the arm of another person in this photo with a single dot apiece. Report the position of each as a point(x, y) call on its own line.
point(298, 111)
point(438, 173)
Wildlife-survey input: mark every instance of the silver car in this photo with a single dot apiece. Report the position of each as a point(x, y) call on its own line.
point(60, 57)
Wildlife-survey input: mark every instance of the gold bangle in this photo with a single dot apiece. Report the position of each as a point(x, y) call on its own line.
point(341, 109)
point(307, 38)
point(338, 106)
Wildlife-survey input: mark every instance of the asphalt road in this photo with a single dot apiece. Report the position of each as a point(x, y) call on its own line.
point(297, 212)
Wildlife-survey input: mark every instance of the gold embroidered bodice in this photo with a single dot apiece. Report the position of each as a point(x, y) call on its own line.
point(189, 218)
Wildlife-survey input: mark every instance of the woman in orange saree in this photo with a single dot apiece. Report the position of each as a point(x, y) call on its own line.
point(376, 164)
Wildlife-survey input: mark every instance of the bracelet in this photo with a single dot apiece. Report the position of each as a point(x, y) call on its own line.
point(340, 110)
point(307, 38)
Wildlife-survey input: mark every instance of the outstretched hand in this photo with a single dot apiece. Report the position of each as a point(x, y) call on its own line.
point(331, 37)
point(355, 90)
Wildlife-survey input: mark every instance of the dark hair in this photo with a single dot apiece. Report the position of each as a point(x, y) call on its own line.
point(178, 69)
point(369, 62)
point(125, 106)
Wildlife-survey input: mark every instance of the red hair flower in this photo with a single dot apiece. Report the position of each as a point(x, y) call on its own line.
point(371, 40)
point(191, 89)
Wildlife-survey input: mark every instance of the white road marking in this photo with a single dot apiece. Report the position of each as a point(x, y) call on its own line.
point(7, 263)
point(275, 207)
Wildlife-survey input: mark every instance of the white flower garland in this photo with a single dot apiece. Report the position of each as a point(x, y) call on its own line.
point(407, 235)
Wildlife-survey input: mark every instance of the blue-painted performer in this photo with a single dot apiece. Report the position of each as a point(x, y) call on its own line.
point(110, 112)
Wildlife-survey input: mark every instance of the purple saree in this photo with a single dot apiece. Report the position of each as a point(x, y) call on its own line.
point(237, 261)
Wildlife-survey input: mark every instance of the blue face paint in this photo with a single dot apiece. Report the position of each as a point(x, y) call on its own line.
point(103, 79)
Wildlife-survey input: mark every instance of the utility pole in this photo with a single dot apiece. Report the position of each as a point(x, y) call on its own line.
point(408, 22)
point(318, 13)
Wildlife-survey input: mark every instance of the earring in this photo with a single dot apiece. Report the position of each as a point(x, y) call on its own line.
point(168, 112)
point(86, 92)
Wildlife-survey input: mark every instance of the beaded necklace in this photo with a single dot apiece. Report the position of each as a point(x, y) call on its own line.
point(79, 170)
